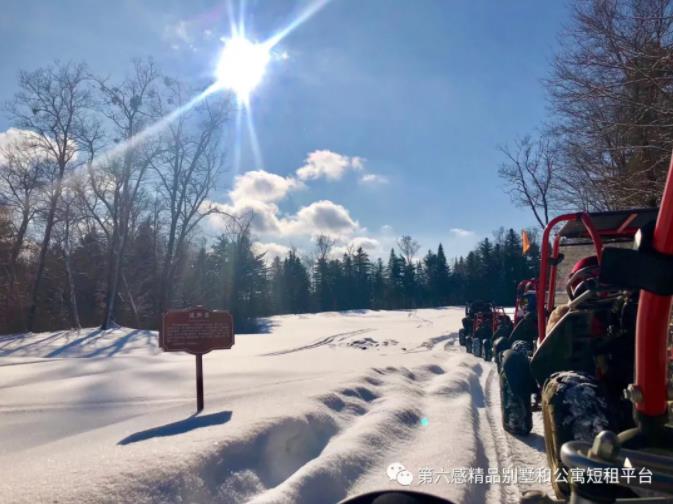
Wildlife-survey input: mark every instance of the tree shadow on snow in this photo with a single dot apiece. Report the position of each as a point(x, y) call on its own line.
point(255, 326)
point(180, 427)
point(28, 346)
point(116, 346)
point(75, 343)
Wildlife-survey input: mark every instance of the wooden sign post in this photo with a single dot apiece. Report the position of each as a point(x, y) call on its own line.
point(196, 331)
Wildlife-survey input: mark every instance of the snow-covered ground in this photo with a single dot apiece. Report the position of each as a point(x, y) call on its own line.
point(313, 410)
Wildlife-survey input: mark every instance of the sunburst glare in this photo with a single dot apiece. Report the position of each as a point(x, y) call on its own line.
point(241, 66)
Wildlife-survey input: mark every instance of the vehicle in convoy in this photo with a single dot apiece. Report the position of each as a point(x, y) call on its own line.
point(582, 357)
point(524, 306)
point(525, 298)
point(472, 310)
point(605, 407)
point(482, 322)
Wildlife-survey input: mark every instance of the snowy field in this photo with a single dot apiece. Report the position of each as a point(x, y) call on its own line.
point(313, 410)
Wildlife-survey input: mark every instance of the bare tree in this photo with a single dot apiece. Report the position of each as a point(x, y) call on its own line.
point(612, 93)
point(68, 217)
point(186, 170)
point(22, 171)
point(529, 175)
point(324, 245)
point(52, 102)
point(117, 182)
point(408, 247)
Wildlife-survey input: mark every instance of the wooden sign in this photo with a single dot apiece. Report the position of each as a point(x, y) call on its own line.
point(196, 331)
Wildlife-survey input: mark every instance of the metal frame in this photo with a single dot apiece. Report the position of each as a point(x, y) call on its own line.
point(654, 313)
point(649, 393)
point(546, 298)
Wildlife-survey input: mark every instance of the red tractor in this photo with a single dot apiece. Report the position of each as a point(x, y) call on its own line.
point(488, 325)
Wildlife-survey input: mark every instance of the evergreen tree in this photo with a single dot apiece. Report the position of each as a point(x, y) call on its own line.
point(379, 286)
point(277, 285)
point(395, 288)
point(296, 285)
point(362, 271)
point(437, 277)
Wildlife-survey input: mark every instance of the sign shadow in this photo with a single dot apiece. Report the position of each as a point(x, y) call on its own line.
point(180, 427)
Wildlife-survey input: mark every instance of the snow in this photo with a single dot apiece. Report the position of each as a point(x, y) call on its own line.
point(313, 410)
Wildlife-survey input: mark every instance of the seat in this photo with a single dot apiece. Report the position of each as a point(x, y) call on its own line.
point(566, 347)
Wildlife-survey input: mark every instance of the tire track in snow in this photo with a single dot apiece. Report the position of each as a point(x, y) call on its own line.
point(514, 452)
point(321, 342)
point(502, 452)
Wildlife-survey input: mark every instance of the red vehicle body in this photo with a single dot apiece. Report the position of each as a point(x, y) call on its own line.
point(653, 372)
point(494, 318)
point(648, 268)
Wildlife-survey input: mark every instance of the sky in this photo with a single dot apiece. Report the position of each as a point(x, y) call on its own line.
point(374, 118)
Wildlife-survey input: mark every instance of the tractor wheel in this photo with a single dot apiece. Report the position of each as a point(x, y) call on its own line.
point(476, 346)
point(515, 404)
point(573, 408)
point(461, 336)
point(499, 346)
point(468, 344)
point(487, 350)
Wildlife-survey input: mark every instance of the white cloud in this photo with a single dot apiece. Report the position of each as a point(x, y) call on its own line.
point(462, 233)
point(321, 217)
point(178, 32)
point(183, 34)
point(459, 242)
point(373, 179)
point(256, 195)
point(329, 165)
point(367, 243)
point(271, 250)
point(263, 216)
point(26, 145)
point(263, 186)
point(370, 245)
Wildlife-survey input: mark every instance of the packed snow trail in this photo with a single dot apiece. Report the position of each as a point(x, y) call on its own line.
point(314, 410)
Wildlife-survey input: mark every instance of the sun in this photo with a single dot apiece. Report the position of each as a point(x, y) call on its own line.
point(241, 66)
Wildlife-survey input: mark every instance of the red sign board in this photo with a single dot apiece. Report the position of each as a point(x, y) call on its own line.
point(196, 330)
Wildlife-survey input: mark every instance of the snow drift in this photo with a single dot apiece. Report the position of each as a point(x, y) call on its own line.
point(314, 410)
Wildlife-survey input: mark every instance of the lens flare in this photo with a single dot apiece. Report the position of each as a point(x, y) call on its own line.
point(241, 66)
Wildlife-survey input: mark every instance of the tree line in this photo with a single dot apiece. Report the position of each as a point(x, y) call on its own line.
point(229, 274)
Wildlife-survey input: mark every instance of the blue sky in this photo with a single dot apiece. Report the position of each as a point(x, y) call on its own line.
point(414, 96)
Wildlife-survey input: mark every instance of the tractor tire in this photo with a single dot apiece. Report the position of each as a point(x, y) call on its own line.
point(487, 350)
point(517, 416)
point(499, 346)
point(573, 408)
point(468, 344)
point(476, 346)
point(461, 336)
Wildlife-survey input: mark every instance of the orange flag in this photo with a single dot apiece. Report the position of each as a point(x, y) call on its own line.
point(525, 242)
